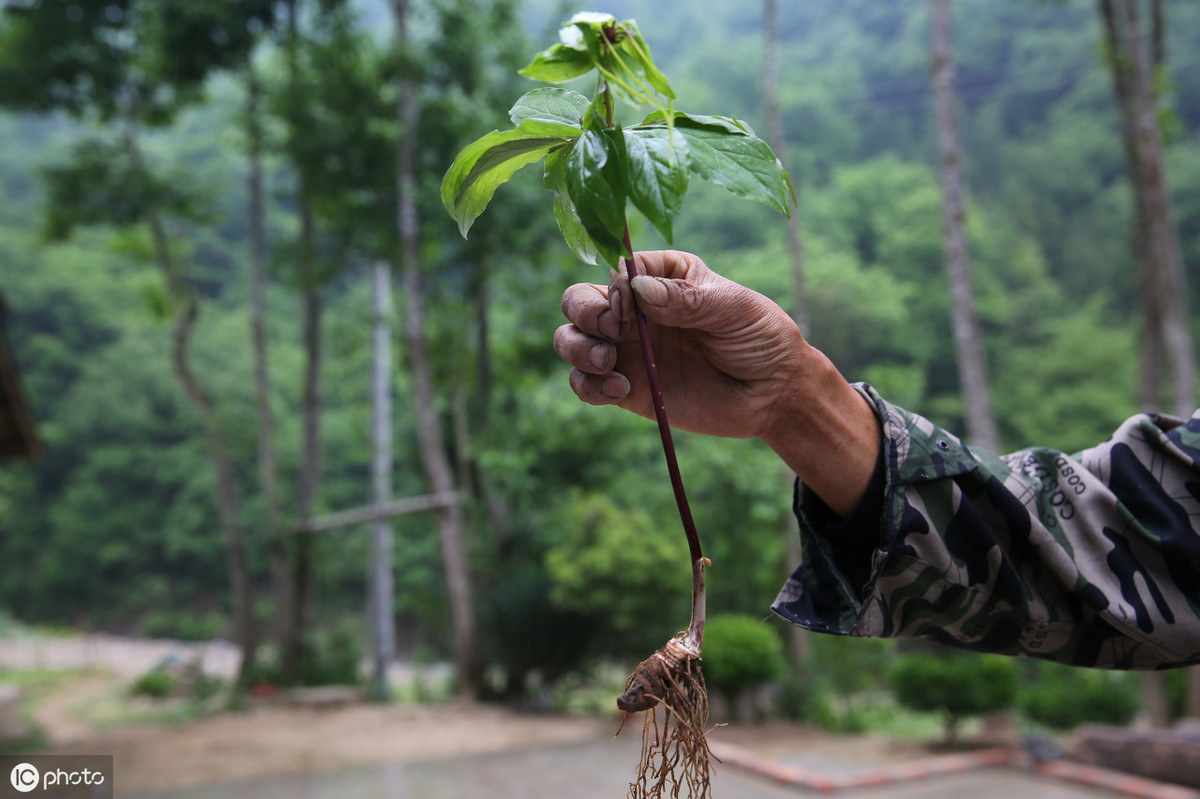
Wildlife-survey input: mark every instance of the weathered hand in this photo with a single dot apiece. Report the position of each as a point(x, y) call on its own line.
point(731, 363)
point(725, 354)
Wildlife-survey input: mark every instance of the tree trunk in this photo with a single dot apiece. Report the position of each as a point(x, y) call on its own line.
point(1163, 249)
point(1165, 339)
point(434, 459)
point(797, 636)
point(380, 591)
point(1155, 703)
point(262, 381)
point(483, 318)
point(300, 591)
point(779, 145)
point(1158, 40)
point(185, 310)
point(1149, 339)
point(497, 508)
point(968, 341)
point(461, 419)
point(301, 572)
point(1153, 684)
point(1169, 283)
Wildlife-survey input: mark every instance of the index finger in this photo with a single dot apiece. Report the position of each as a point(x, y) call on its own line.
point(586, 306)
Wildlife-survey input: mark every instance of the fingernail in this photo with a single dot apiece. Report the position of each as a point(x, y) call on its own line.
point(609, 326)
point(651, 291)
point(598, 356)
point(615, 387)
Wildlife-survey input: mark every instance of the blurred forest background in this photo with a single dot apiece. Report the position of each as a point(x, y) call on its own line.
point(135, 204)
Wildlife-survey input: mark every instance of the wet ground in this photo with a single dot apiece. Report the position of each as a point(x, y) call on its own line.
point(419, 752)
point(594, 770)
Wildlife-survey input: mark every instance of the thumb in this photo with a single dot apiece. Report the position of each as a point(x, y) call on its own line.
point(680, 303)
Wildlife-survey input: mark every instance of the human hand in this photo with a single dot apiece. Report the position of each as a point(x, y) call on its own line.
point(731, 363)
point(726, 354)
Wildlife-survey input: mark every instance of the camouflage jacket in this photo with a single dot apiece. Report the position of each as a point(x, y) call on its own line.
point(1091, 559)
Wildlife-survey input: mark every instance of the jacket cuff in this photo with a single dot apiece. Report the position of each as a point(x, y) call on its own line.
point(833, 589)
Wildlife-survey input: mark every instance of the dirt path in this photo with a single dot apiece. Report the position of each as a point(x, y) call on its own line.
point(275, 741)
point(60, 714)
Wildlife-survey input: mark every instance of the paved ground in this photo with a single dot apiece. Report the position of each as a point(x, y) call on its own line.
point(464, 751)
point(594, 771)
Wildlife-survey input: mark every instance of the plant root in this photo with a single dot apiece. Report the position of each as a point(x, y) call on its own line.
point(669, 687)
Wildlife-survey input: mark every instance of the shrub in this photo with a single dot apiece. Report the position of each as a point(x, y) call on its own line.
point(198, 685)
point(851, 665)
point(331, 655)
point(740, 653)
point(840, 676)
point(613, 558)
point(956, 685)
point(1062, 697)
point(156, 684)
point(1177, 690)
point(526, 632)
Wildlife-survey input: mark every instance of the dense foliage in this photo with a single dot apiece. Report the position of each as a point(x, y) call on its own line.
point(957, 686)
point(1062, 698)
point(740, 654)
point(115, 525)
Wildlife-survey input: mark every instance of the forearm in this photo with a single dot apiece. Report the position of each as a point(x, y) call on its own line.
point(1091, 561)
point(827, 433)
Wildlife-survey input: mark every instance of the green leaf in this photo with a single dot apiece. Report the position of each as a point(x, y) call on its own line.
point(552, 105)
point(653, 74)
point(596, 181)
point(555, 179)
point(658, 174)
point(559, 64)
point(725, 153)
point(717, 123)
point(484, 165)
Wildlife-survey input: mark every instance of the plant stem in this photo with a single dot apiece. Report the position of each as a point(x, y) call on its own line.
point(660, 415)
point(696, 627)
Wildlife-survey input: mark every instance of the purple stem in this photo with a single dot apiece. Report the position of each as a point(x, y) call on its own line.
point(660, 415)
point(696, 628)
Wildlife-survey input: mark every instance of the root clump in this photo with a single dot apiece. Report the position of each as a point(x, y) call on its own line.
point(669, 688)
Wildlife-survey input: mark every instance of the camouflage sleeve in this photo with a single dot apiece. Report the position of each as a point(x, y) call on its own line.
point(1091, 559)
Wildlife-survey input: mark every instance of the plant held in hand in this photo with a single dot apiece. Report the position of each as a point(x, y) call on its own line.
point(594, 167)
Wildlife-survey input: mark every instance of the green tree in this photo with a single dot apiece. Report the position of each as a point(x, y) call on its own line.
point(1166, 349)
point(136, 65)
point(968, 338)
point(955, 685)
point(324, 94)
point(613, 563)
point(1062, 697)
point(431, 440)
point(445, 83)
point(1048, 218)
point(741, 653)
